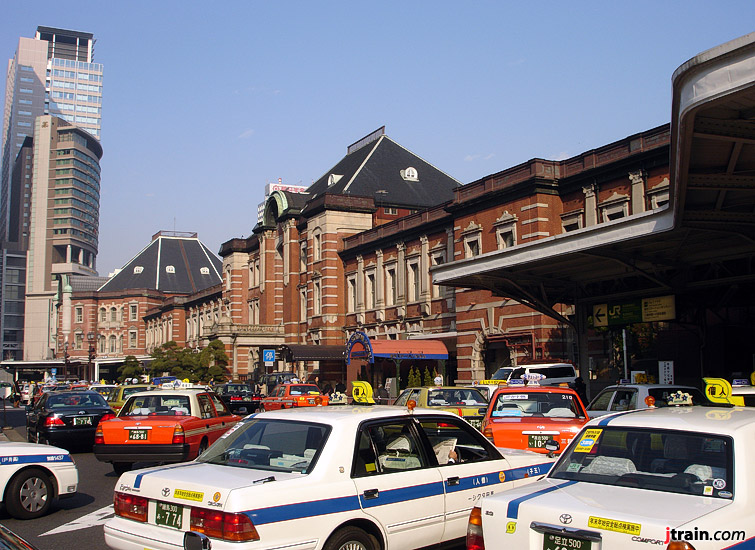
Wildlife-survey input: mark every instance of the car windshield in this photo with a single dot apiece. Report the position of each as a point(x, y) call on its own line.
point(75, 400)
point(656, 460)
point(502, 374)
point(159, 403)
point(455, 396)
point(523, 403)
point(274, 445)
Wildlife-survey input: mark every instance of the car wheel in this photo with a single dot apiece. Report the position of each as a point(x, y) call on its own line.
point(121, 467)
point(351, 538)
point(202, 447)
point(29, 494)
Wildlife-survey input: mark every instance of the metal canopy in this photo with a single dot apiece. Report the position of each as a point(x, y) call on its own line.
point(701, 248)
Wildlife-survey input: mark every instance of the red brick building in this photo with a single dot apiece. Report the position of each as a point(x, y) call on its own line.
point(354, 254)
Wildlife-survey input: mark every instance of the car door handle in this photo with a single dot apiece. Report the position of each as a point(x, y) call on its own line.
point(371, 493)
point(453, 480)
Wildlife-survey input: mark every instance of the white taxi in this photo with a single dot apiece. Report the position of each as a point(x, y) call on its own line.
point(33, 476)
point(361, 477)
point(678, 478)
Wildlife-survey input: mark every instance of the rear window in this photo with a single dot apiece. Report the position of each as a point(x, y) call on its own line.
point(662, 395)
point(459, 396)
point(274, 445)
point(668, 461)
point(160, 403)
point(546, 404)
point(76, 400)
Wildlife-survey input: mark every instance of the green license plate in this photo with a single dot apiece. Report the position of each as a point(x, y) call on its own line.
point(82, 420)
point(538, 441)
point(169, 515)
point(137, 435)
point(564, 542)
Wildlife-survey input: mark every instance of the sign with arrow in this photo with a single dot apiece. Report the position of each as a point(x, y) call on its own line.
point(645, 310)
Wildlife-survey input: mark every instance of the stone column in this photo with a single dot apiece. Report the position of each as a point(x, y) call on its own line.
point(591, 205)
point(638, 191)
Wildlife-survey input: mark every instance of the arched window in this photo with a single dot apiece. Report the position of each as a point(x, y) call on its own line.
point(103, 314)
point(113, 314)
point(113, 344)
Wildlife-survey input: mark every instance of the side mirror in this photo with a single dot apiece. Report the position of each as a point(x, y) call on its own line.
point(482, 411)
point(196, 541)
point(552, 446)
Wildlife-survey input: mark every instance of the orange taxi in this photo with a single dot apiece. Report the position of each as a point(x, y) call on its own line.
point(164, 426)
point(288, 396)
point(526, 417)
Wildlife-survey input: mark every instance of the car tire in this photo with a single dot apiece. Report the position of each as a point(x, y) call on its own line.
point(202, 447)
point(29, 494)
point(121, 467)
point(351, 538)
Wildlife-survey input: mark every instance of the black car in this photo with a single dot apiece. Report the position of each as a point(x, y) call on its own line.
point(240, 398)
point(66, 418)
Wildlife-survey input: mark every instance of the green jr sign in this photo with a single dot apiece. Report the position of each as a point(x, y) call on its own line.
point(645, 310)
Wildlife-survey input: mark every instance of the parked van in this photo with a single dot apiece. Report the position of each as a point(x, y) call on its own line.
point(555, 373)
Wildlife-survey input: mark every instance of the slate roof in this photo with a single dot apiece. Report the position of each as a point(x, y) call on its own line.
point(170, 264)
point(84, 283)
point(374, 170)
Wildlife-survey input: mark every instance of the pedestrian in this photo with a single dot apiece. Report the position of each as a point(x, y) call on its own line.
point(581, 389)
point(382, 394)
point(327, 389)
point(340, 387)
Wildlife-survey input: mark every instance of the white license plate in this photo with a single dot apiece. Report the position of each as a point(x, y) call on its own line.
point(82, 420)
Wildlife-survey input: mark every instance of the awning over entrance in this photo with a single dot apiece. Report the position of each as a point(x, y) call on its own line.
point(306, 352)
point(360, 346)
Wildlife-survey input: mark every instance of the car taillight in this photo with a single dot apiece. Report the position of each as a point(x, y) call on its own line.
point(99, 437)
point(178, 435)
point(487, 429)
point(223, 525)
point(54, 421)
point(107, 416)
point(474, 530)
point(235, 398)
point(130, 506)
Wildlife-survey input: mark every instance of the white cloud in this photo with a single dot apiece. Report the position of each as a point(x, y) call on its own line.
point(478, 156)
point(563, 155)
point(246, 134)
point(470, 158)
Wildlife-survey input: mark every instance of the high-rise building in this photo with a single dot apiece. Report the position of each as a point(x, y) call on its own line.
point(51, 74)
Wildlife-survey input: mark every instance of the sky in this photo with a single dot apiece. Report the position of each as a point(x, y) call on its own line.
point(204, 103)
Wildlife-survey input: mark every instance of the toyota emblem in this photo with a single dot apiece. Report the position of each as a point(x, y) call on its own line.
point(565, 519)
point(166, 492)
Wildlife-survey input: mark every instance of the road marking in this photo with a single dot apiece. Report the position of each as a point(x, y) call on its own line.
point(94, 519)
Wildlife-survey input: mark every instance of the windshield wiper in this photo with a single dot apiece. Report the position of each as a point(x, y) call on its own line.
point(264, 480)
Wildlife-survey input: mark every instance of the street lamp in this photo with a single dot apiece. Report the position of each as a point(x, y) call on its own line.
point(90, 371)
point(66, 360)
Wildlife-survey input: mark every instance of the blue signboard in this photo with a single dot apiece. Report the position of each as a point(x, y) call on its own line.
point(268, 355)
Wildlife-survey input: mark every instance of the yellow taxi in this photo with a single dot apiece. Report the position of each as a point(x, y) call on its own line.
point(468, 403)
point(119, 394)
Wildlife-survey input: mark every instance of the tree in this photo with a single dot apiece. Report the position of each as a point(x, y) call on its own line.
point(179, 362)
point(428, 378)
point(183, 363)
point(213, 361)
point(131, 368)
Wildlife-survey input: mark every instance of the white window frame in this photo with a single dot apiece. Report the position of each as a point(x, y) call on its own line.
point(614, 207)
point(79, 314)
point(571, 221)
point(391, 285)
point(472, 239)
point(437, 258)
point(370, 289)
point(413, 289)
point(351, 293)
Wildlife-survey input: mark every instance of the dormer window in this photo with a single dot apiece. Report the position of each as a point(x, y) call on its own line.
point(333, 179)
point(204, 270)
point(410, 174)
point(170, 269)
point(138, 269)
